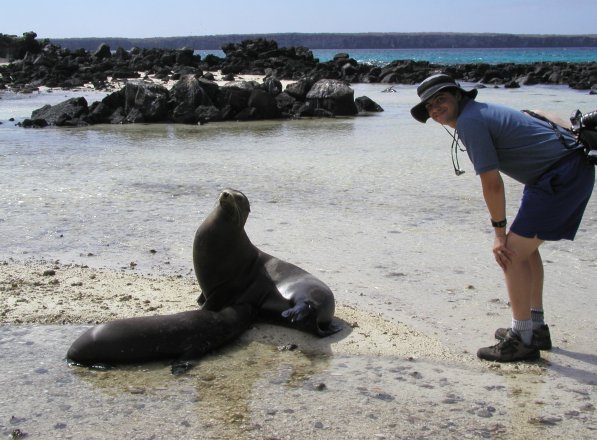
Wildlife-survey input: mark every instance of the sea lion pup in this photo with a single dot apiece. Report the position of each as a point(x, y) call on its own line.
point(181, 336)
point(230, 269)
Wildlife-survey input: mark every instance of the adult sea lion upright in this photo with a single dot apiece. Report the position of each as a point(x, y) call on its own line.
point(239, 283)
point(230, 269)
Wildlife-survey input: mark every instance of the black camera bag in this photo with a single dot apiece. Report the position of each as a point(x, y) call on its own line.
point(584, 128)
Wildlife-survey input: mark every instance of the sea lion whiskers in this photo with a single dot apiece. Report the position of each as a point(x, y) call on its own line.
point(228, 204)
point(239, 219)
point(236, 204)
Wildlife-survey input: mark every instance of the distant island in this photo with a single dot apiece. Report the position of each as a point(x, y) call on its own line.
point(371, 40)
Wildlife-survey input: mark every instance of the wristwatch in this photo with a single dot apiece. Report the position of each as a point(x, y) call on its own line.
point(500, 224)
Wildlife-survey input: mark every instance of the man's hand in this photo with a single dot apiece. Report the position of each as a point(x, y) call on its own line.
point(503, 255)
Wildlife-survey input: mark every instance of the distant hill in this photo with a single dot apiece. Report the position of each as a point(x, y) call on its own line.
point(341, 41)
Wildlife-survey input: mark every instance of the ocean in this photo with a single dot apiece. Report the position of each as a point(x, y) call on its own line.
point(369, 204)
point(458, 55)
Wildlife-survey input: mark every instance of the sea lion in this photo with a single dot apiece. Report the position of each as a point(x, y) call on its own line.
point(239, 283)
point(231, 270)
point(181, 336)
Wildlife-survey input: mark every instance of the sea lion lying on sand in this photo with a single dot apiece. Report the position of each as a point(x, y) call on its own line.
point(182, 337)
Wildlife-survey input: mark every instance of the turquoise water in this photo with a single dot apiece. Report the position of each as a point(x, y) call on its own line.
point(459, 56)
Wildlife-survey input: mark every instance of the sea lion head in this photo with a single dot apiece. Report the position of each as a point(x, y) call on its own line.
point(235, 206)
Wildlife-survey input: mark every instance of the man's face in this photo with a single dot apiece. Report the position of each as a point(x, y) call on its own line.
point(443, 108)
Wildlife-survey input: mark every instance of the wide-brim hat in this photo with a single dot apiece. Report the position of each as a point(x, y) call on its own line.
point(430, 87)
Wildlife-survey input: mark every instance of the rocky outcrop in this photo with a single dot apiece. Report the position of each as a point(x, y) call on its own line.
point(14, 48)
point(195, 100)
point(318, 89)
point(55, 67)
point(264, 57)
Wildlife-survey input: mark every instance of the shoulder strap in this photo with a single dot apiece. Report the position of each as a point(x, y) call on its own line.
point(556, 129)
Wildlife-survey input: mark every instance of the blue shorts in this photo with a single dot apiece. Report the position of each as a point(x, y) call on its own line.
point(553, 206)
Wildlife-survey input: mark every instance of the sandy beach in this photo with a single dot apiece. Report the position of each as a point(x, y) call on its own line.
point(395, 381)
point(37, 292)
point(114, 84)
point(413, 310)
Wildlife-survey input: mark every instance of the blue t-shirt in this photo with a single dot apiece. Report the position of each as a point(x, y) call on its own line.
point(501, 138)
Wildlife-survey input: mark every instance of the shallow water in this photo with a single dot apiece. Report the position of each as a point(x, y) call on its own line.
point(369, 204)
point(252, 390)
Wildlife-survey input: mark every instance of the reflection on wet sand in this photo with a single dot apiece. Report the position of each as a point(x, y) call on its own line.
point(218, 392)
point(279, 383)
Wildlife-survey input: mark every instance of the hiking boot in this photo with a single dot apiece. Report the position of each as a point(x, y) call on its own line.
point(509, 349)
point(541, 337)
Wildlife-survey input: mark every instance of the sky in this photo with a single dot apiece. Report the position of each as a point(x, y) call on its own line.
point(152, 18)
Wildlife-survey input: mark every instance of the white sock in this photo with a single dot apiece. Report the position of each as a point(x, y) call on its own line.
point(524, 329)
point(537, 317)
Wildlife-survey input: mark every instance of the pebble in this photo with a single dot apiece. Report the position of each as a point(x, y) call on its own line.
point(17, 433)
point(545, 420)
point(486, 412)
point(320, 387)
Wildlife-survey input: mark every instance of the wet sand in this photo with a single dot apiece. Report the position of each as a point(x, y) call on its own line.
point(375, 379)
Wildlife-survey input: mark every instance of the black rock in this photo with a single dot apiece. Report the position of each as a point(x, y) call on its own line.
point(34, 123)
point(60, 114)
point(334, 96)
point(298, 90)
point(186, 95)
point(207, 113)
point(145, 102)
point(265, 104)
point(103, 51)
point(366, 104)
point(285, 103)
point(273, 86)
point(234, 97)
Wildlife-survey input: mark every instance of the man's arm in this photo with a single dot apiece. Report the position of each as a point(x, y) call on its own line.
point(495, 199)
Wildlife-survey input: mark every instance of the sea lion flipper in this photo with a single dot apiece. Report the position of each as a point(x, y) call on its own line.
point(328, 330)
point(305, 315)
point(299, 313)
